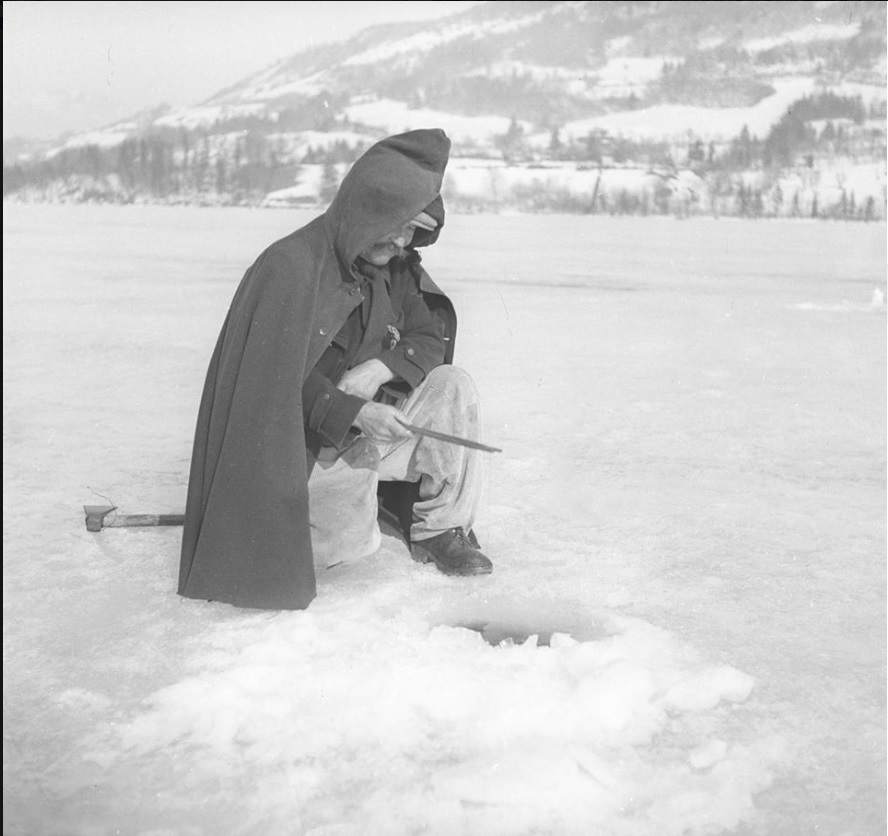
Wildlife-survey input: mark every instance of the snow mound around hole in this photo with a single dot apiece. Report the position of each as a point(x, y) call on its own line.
point(401, 728)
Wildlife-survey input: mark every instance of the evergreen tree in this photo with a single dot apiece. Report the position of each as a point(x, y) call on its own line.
point(329, 183)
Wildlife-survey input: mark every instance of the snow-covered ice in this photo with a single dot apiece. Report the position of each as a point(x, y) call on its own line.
point(685, 628)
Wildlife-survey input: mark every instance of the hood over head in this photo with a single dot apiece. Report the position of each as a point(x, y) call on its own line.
point(390, 184)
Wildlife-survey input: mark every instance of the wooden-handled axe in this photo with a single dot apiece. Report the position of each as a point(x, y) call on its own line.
point(97, 518)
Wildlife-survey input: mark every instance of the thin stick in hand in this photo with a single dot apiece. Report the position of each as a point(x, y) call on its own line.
point(453, 439)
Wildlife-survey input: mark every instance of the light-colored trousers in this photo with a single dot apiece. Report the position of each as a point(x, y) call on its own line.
point(342, 492)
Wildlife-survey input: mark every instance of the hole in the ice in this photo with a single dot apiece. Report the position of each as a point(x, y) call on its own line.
point(495, 633)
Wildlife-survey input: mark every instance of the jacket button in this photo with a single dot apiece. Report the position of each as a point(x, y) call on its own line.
point(323, 332)
point(410, 352)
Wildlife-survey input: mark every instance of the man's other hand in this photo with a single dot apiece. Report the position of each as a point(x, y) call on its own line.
point(364, 380)
point(381, 422)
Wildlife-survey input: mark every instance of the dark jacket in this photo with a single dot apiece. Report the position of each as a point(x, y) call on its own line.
point(393, 325)
point(246, 539)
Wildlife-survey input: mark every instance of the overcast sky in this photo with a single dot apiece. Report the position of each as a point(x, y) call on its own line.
point(70, 66)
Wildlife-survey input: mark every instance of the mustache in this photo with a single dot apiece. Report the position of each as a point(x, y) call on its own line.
point(398, 252)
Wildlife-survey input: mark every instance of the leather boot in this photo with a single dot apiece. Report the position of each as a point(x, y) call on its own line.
point(453, 552)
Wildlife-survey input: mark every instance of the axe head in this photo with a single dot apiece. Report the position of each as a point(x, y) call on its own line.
point(95, 515)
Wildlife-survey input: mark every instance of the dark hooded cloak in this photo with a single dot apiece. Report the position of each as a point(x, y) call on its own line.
point(246, 539)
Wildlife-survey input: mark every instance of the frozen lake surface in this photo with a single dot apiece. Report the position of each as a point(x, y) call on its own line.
point(685, 629)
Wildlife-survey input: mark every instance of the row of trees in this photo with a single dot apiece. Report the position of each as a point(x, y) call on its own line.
point(243, 166)
point(794, 137)
point(717, 194)
point(167, 165)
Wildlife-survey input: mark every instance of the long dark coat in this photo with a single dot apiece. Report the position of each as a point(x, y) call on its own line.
point(246, 539)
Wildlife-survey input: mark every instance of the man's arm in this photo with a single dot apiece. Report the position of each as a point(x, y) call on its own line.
point(365, 380)
point(328, 410)
point(419, 350)
point(331, 411)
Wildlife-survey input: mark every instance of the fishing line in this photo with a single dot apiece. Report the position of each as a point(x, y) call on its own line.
point(110, 501)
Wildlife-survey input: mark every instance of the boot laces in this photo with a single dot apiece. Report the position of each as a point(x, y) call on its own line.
point(461, 535)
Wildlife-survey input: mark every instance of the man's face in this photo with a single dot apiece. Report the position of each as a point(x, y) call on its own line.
point(385, 249)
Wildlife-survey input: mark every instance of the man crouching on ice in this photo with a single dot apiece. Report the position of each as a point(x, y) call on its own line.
point(336, 340)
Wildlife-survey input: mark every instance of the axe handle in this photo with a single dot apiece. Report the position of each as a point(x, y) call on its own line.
point(97, 518)
point(127, 520)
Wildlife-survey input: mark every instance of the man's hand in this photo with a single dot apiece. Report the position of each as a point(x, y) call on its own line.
point(364, 380)
point(381, 422)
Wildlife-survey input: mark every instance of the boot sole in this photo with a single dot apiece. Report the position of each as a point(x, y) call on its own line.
point(420, 555)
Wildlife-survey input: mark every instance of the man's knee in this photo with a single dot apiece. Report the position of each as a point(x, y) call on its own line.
point(454, 379)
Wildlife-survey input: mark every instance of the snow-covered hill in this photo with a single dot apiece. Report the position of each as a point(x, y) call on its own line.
point(518, 82)
point(552, 65)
